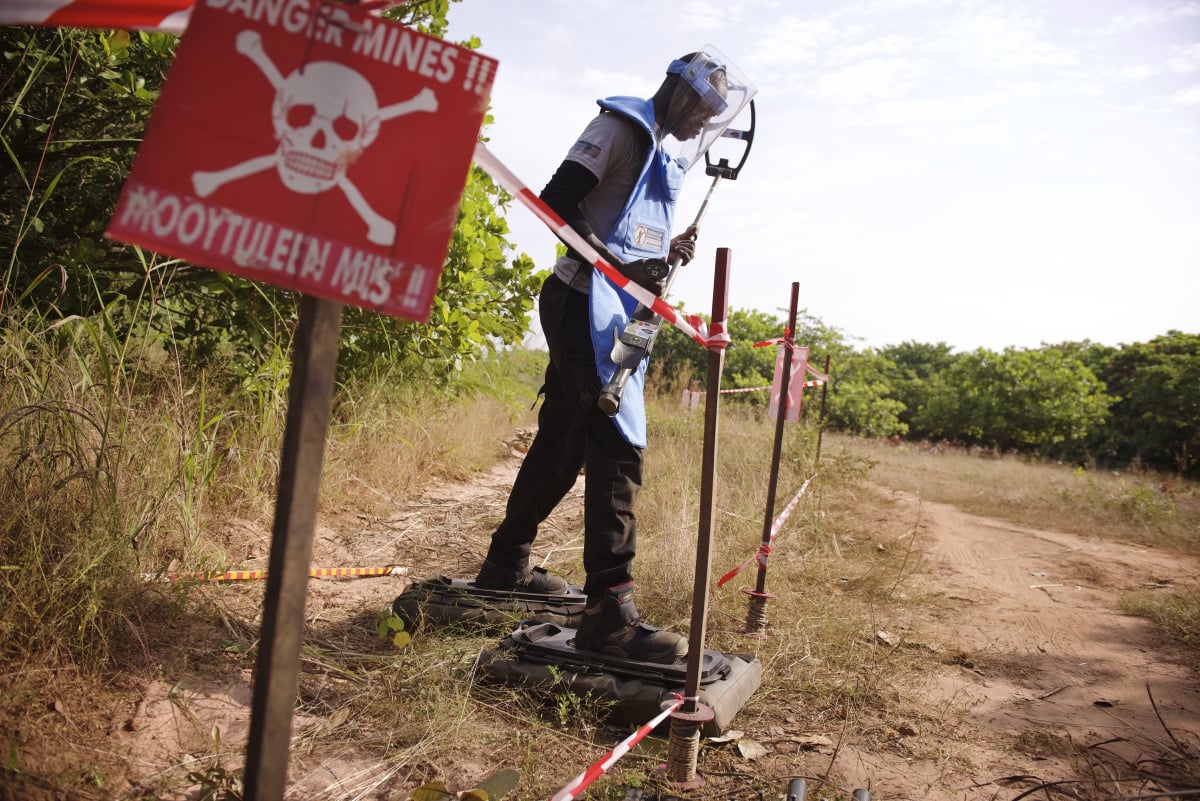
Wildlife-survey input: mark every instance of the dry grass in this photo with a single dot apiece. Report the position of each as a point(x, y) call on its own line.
point(112, 468)
point(421, 715)
point(1146, 507)
point(386, 446)
point(390, 720)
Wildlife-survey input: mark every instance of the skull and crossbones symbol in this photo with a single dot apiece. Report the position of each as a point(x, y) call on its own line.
point(325, 115)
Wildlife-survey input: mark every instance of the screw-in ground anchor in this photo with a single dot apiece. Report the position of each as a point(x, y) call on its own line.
point(683, 746)
point(756, 614)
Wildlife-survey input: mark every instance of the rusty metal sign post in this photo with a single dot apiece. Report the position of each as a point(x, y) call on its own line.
point(756, 614)
point(683, 745)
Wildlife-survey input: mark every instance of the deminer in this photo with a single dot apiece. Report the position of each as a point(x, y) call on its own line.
point(617, 187)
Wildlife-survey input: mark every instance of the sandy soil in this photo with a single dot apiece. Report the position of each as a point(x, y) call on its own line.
point(1028, 643)
point(1036, 652)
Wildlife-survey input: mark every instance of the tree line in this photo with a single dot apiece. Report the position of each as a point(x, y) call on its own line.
point(1081, 402)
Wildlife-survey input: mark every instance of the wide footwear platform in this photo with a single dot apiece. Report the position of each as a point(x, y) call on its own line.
point(443, 601)
point(544, 657)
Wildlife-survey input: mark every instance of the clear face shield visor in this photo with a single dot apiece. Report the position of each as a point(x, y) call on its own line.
point(711, 93)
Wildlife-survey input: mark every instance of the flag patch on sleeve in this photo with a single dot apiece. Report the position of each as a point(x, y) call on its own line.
point(584, 148)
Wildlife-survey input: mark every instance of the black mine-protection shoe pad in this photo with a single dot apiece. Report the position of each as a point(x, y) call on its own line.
point(550, 644)
point(446, 601)
point(540, 659)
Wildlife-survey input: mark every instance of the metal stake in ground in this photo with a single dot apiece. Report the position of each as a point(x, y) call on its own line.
point(683, 746)
point(756, 615)
point(278, 666)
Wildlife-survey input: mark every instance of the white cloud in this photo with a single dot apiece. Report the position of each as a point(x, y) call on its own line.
point(1137, 73)
point(1186, 58)
point(1188, 9)
point(959, 117)
point(1123, 23)
point(607, 82)
point(994, 41)
point(915, 114)
point(794, 40)
point(876, 8)
point(890, 45)
point(1073, 86)
point(1187, 97)
point(868, 81)
point(705, 15)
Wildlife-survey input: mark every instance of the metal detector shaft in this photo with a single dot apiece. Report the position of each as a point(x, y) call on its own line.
point(634, 344)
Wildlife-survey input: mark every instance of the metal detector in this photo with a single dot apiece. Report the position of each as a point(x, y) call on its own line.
point(637, 340)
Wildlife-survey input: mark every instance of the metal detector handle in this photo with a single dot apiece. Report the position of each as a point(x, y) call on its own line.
point(722, 167)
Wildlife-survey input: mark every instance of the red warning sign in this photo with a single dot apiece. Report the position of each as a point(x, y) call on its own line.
point(312, 146)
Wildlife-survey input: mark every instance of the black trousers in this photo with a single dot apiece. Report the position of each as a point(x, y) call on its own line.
point(573, 434)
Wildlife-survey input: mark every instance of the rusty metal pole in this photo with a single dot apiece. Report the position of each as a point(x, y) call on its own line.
point(683, 745)
point(277, 671)
point(756, 614)
point(821, 415)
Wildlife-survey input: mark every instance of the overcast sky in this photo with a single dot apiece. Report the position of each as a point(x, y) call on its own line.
point(983, 174)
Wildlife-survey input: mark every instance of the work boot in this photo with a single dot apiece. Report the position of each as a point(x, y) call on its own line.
point(504, 579)
point(611, 625)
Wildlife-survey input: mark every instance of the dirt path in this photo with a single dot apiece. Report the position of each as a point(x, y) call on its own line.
point(1030, 651)
point(1036, 655)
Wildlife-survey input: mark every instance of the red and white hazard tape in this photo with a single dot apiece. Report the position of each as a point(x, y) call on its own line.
point(716, 337)
point(745, 389)
point(821, 378)
point(250, 575)
point(598, 768)
point(169, 16)
point(760, 389)
point(166, 16)
point(764, 550)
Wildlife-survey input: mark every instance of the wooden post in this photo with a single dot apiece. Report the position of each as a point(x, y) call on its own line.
point(310, 397)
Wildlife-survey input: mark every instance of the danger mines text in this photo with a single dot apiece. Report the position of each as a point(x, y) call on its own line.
point(374, 38)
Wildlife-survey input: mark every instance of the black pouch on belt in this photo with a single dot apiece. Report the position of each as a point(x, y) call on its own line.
point(649, 274)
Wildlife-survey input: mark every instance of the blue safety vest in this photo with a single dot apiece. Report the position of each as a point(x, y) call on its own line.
point(643, 230)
